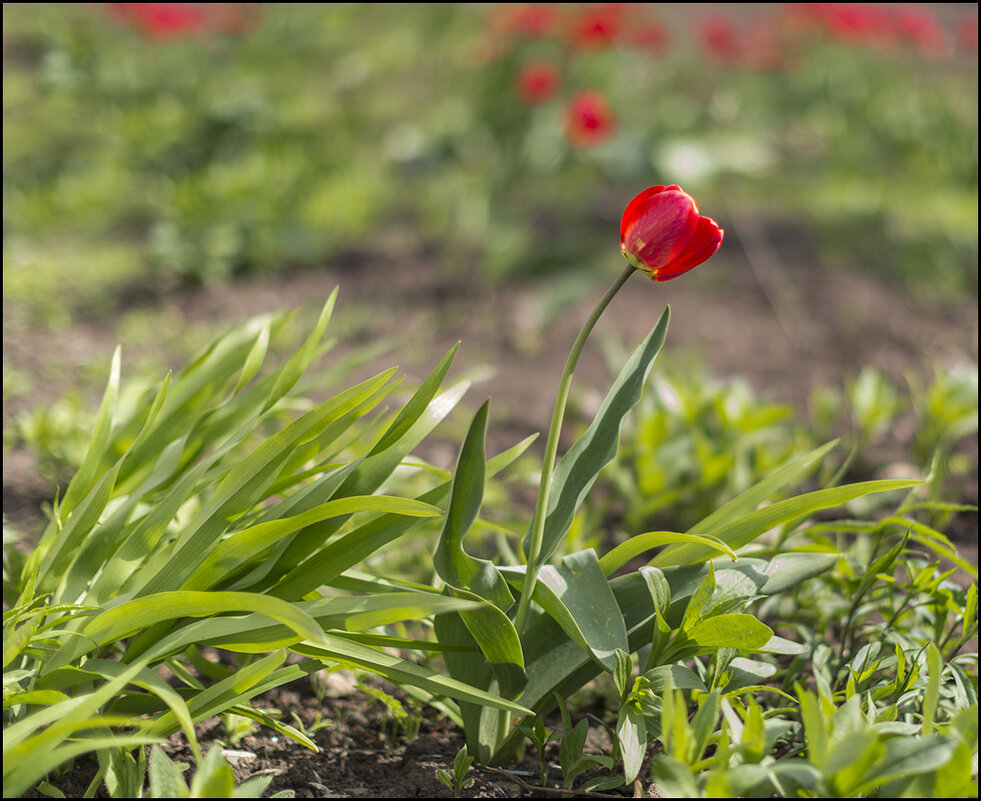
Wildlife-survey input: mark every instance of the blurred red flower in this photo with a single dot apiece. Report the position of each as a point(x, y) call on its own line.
point(173, 20)
point(597, 25)
point(721, 40)
point(162, 20)
point(967, 32)
point(651, 36)
point(588, 119)
point(533, 20)
point(663, 234)
point(537, 82)
point(920, 28)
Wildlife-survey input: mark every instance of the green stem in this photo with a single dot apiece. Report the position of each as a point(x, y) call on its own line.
point(552, 447)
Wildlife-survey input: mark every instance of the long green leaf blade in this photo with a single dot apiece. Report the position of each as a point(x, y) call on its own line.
point(578, 469)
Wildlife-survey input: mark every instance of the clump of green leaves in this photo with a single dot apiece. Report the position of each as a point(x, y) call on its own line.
point(222, 509)
point(694, 442)
point(588, 610)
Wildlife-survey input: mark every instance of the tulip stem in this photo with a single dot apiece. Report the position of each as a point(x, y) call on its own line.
point(552, 447)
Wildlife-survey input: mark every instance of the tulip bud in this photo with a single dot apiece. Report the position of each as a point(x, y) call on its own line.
point(663, 234)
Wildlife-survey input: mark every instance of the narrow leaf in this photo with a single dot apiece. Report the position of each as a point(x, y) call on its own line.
point(578, 469)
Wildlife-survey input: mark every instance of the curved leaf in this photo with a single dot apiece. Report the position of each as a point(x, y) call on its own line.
point(615, 559)
point(578, 597)
point(740, 529)
point(578, 469)
point(126, 619)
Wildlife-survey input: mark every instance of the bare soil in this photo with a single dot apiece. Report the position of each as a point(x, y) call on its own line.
point(765, 308)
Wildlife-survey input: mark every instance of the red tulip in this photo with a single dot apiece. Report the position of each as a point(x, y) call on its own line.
point(721, 40)
point(175, 20)
point(598, 25)
point(164, 20)
point(537, 82)
point(588, 119)
point(663, 234)
point(921, 28)
point(532, 20)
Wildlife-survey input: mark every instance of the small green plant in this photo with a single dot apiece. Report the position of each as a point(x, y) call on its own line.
point(457, 781)
point(540, 737)
point(213, 779)
point(406, 721)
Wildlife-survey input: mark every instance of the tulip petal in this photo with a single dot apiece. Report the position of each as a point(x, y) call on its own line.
point(633, 209)
point(704, 243)
point(662, 230)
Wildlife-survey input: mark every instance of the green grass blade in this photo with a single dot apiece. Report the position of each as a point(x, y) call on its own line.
point(369, 475)
point(245, 484)
point(738, 531)
point(87, 475)
point(235, 689)
point(232, 553)
point(400, 671)
point(253, 633)
point(138, 615)
point(28, 769)
point(297, 364)
point(619, 556)
point(355, 546)
point(150, 681)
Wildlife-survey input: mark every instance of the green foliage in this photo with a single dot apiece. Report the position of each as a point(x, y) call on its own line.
point(695, 442)
point(457, 781)
point(590, 615)
point(406, 721)
point(770, 647)
point(219, 509)
point(213, 779)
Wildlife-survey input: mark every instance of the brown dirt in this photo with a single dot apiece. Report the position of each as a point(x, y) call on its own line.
point(765, 307)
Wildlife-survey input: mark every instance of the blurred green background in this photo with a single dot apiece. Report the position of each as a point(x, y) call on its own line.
point(151, 147)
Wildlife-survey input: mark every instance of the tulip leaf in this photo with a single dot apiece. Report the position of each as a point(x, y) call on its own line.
point(478, 579)
point(498, 641)
point(740, 631)
point(576, 472)
point(453, 564)
point(578, 597)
